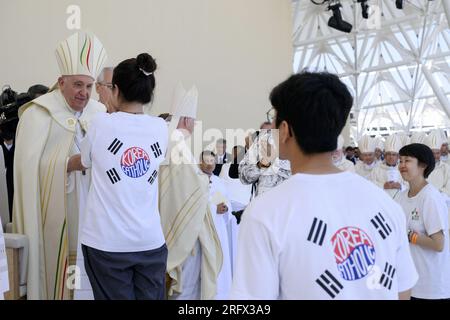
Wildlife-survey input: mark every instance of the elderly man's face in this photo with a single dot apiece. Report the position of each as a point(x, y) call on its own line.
point(391, 158)
point(368, 157)
point(76, 90)
point(436, 154)
point(104, 89)
point(444, 149)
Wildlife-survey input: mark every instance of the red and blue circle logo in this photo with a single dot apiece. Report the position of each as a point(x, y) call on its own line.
point(354, 253)
point(135, 162)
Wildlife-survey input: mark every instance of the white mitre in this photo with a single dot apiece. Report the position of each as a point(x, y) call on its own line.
point(185, 103)
point(418, 137)
point(405, 139)
point(393, 143)
point(367, 144)
point(379, 142)
point(81, 54)
point(434, 139)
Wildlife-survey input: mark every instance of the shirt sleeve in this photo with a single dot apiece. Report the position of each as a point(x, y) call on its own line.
point(256, 273)
point(406, 271)
point(434, 211)
point(164, 138)
point(248, 170)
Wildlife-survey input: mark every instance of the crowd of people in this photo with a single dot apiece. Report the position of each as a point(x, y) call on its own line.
point(119, 193)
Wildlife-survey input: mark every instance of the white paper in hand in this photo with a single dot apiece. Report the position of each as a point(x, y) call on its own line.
point(218, 198)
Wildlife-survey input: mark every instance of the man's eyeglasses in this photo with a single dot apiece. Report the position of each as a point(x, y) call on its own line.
point(106, 84)
point(271, 115)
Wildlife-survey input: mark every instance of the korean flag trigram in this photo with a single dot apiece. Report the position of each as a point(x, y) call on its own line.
point(115, 146)
point(113, 176)
point(153, 177)
point(388, 276)
point(381, 225)
point(317, 232)
point(156, 150)
point(329, 284)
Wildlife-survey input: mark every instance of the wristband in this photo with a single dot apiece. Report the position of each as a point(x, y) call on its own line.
point(412, 236)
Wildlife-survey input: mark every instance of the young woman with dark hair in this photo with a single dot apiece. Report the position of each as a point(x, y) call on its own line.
point(427, 223)
point(122, 240)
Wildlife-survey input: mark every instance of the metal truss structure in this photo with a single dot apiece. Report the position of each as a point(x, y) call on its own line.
point(396, 63)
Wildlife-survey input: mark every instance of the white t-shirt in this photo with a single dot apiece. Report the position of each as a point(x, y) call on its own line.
point(334, 236)
point(124, 152)
point(426, 213)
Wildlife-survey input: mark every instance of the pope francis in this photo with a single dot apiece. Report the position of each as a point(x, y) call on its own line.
point(47, 200)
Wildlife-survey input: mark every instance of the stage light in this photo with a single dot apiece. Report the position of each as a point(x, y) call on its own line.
point(364, 9)
point(336, 21)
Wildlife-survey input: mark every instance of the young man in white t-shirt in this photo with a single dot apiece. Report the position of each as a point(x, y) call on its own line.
point(301, 240)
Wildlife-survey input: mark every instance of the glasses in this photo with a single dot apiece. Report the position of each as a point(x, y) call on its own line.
point(106, 84)
point(271, 115)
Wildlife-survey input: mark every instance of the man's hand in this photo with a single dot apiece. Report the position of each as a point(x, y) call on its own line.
point(267, 153)
point(222, 208)
point(392, 185)
point(74, 164)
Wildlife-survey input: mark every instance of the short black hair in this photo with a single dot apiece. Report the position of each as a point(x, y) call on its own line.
point(315, 106)
point(135, 79)
point(422, 153)
point(36, 90)
point(349, 148)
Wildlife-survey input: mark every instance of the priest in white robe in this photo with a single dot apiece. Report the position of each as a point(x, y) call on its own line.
point(379, 147)
point(220, 208)
point(440, 176)
point(444, 149)
point(367, 161)
point(46, 199)
point(338, 158)
point(195, 256)
point(386, 175)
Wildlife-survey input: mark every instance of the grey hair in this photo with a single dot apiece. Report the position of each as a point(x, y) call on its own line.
point(101, 76)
